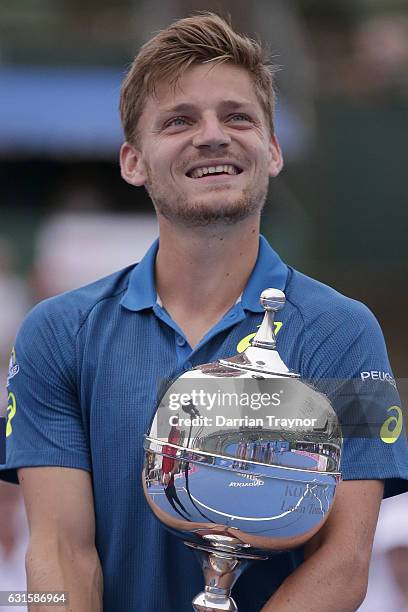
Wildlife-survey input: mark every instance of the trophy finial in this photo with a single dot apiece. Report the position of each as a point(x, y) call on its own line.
point(272, 300)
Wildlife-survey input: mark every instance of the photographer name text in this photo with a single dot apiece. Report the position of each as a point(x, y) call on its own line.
point(222, 421)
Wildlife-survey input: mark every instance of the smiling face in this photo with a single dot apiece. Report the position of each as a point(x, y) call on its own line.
point(205, 152)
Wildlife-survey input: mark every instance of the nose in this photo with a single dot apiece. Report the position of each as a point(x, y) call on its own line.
point(211, 134)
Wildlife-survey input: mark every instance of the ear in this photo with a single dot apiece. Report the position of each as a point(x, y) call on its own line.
point(276, 158)
point(131, 165)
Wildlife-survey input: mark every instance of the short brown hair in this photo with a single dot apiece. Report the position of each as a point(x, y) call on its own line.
point(199, 39)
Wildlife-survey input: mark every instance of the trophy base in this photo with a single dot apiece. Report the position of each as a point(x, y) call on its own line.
point(210, 600)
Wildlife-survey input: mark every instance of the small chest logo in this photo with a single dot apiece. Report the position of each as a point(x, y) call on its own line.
point(14, 368)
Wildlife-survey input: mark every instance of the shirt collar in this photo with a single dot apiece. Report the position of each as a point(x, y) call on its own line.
point(141, 292)
point(269, 271)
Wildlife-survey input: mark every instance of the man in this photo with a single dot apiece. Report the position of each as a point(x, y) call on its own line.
point(197, 109)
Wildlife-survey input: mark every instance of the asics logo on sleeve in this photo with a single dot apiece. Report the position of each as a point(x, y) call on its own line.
point(392, 426)
point(11, 412)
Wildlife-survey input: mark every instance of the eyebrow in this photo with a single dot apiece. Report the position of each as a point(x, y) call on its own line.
point(186, 107)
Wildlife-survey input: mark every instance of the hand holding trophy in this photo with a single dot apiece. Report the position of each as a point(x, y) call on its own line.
point(242, 460)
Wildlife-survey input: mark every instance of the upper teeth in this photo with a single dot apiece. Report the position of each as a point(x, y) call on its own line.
point(199, 172)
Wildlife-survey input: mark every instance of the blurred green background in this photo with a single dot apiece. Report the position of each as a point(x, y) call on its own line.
point(338, 211)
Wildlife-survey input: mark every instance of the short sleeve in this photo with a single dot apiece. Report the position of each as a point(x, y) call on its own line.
point(45, 425)
point(347, 357)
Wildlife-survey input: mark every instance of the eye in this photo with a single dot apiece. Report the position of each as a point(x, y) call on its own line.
point(176, 122)
point(239, 117)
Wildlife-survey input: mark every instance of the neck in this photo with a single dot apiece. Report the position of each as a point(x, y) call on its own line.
point(201, 274)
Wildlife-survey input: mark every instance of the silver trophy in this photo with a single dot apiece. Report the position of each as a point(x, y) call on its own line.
point(242, 460)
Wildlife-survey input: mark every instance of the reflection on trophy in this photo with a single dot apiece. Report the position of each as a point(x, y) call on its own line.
point(242, 460)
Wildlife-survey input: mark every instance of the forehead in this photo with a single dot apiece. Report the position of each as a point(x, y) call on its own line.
point(204, 86)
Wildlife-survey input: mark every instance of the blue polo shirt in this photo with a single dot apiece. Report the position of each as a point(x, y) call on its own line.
point(86, 372)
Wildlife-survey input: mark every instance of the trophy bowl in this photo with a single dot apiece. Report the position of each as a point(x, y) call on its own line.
point(242, 460)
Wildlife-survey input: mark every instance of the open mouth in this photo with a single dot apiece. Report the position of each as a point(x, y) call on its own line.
point(225, 169)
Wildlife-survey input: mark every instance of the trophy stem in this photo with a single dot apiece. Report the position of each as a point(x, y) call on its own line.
point(221, 570)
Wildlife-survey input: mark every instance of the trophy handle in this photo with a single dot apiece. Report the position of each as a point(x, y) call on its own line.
point(221, 570)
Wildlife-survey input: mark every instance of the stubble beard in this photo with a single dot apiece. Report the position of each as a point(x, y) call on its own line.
point(202, 213)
